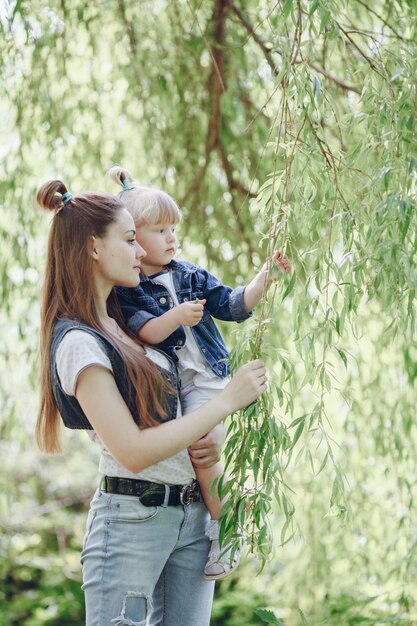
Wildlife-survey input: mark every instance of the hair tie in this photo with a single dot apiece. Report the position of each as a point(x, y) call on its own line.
point(66, 197)
point(126, 185)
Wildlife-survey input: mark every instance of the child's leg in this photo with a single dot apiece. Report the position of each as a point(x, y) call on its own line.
point(220, 561)
point(192, 398)
point(206, 476)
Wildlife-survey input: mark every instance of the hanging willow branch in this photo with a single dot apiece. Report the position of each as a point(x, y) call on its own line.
point(261, 443)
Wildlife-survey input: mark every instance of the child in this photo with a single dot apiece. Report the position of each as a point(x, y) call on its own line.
point(172, 308)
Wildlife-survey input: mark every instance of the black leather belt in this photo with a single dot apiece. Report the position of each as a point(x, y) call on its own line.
point(153, 494)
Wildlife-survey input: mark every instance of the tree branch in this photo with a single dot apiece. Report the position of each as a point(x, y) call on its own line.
point(233, 184)
point(340, 83)
point(130, 29)
point(254, 35)
point(358, 49)
point(195, 184)
point(382, 20)
point(216, 86)
point(268, 56)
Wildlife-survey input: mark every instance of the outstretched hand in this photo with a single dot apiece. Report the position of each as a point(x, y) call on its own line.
point(269, 274)
point(279, 262)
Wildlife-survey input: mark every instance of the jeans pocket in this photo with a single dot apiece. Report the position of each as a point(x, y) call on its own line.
point(130, 509)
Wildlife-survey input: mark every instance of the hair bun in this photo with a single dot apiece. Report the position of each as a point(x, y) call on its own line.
point(119, 174)
point(50, 195)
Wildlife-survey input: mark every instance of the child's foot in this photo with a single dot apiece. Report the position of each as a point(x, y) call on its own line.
point(219, 564)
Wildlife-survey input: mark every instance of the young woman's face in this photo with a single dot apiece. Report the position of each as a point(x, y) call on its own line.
point(117, 254)
point(160, 244)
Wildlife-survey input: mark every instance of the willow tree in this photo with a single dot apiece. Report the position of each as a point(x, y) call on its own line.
point(286, 125)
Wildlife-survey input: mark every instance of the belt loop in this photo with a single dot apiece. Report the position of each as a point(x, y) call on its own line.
point(166, 498)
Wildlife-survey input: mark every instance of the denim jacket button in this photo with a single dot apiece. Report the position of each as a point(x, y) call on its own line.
point(179, 342)
point(162, 300)
point(185, 299)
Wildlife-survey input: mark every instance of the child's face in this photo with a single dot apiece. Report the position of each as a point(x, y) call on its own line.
point(160, 244)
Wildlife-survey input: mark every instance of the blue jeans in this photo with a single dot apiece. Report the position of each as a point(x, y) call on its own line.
point(143, 566)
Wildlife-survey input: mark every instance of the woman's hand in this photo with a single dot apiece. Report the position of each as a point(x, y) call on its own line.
point(206, 452)
point(246, 385)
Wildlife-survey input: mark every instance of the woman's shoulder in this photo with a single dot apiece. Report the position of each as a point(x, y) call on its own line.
point(72, 339)
point(80, 345)
point(77, 351)
point(75, 336)
point(79, 331)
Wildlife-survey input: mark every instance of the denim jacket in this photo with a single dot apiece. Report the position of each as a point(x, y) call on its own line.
point(71, 412)
point(149, 300)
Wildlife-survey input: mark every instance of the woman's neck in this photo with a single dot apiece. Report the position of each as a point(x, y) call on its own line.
point(101, 294)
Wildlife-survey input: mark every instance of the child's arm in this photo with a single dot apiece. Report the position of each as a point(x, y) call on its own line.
point(159, 328)
point(264, 279)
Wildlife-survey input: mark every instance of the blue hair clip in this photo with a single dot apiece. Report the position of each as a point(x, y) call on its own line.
point(66, 197)
point(126, 185)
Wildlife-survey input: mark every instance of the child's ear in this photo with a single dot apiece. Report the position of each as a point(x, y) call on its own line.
point(92, 247)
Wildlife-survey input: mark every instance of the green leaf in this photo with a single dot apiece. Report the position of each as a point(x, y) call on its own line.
point(286, 9)
point(289, 287)
point(298, 433)
point(268, 616)
point(343, 357)
point(303, 619)
point(313, 8)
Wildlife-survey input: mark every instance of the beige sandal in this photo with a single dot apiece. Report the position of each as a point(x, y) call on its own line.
point(219, 564)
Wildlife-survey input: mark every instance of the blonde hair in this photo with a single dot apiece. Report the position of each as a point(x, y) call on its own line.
point(145, 204)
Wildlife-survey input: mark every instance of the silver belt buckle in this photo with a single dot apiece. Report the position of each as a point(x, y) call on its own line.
point(187, 494)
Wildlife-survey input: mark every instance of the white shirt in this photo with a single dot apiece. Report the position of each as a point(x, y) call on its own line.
point(79, 350)
point(191, 362)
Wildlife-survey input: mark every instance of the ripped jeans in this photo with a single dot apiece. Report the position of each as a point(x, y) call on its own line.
point(143, 566)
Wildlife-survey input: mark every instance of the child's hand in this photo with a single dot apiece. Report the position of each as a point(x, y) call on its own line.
point(278, 263)
point(281, 261)
point(190, 313)
point(207, 451)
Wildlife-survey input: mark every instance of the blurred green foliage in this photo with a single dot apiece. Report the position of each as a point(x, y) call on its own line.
point(285, 124)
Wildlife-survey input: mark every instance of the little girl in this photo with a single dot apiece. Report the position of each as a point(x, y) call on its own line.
point(172, 308)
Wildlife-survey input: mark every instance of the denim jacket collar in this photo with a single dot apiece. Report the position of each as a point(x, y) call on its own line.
point(186, 268)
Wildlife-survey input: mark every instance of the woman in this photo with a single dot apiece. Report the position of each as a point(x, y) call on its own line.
point(145, 546)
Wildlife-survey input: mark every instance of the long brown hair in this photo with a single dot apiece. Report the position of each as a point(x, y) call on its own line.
point(68, 291)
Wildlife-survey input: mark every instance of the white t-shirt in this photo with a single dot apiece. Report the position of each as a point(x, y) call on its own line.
point(191, 362)
point(79, 350)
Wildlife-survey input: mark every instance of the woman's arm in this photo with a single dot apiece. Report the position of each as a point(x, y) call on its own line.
point(137, 449)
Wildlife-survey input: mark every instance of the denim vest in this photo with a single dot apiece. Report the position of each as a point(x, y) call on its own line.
point(71, 412)
point(149, 299)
